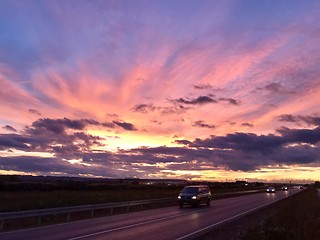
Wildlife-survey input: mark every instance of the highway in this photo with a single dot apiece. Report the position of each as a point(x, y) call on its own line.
point(163, 223)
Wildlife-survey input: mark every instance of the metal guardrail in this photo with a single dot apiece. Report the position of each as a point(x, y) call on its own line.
point(82, 208)
point(39, 213)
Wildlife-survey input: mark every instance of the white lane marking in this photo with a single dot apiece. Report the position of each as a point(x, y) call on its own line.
point(228, 219)
point(136, 224)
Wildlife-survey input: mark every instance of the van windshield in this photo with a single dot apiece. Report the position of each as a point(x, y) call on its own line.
point(190, 190)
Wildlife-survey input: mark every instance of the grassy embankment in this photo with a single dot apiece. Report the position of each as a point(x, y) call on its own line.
point(297, 219)
point(294, 218)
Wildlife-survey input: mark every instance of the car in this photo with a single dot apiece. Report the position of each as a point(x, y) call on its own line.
point(271, 190)
point(285, 188)
point(195, 195)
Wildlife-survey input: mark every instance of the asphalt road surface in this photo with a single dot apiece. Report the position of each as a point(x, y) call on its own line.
point(162, 223)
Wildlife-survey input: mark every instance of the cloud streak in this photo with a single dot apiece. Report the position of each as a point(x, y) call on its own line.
point(157, 88)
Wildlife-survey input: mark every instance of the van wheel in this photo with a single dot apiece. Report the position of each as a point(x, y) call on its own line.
point(208, 203)
point(180, 205)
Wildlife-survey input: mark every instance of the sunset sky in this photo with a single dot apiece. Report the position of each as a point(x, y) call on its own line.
point(213, 90)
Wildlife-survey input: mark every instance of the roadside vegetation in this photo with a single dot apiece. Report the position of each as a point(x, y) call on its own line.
point(297, 219)
point(35, 199)
point(19, 193)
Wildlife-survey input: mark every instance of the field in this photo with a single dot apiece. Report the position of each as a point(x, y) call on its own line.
point(27, 193)
point(26, 200)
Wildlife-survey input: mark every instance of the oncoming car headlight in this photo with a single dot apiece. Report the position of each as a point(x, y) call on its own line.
point(179, 197)
point(194, 197)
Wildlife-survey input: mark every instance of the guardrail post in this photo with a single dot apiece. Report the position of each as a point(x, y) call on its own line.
point(128, 208)
point(68, 216)
point(39, 220)
point(111, 210)
point(92, 212)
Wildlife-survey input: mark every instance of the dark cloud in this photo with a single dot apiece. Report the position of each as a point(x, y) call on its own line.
point(60, 125)
point(35, 164)
point(49, 142)
point(50, 135)
point(33, 111)
point(202, 124)
point(53, 135)
point(9, 128)
point(182, 158)
point(287, 118)
point(247, 125)
point(238, 151)
point(310, 120)
point(125, 125)
point(15, 141)
point(109, 115)
point(297, 155)
point(245, 142)
point(50, 166)
point(310, 136)
point(203, 86)
point(144, 108)
point(196, 101)
point(175, 109)
point(143, 161)
point(179, 109)
point(207, 87)
point(108, 125)
point(276, 88)
point(248, 151)
point(201, 100)
point(157, 122)
point(182, 104)
point(230, 101)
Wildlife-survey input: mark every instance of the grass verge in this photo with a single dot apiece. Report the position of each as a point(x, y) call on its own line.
point(298, 219)
point(294, 218)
